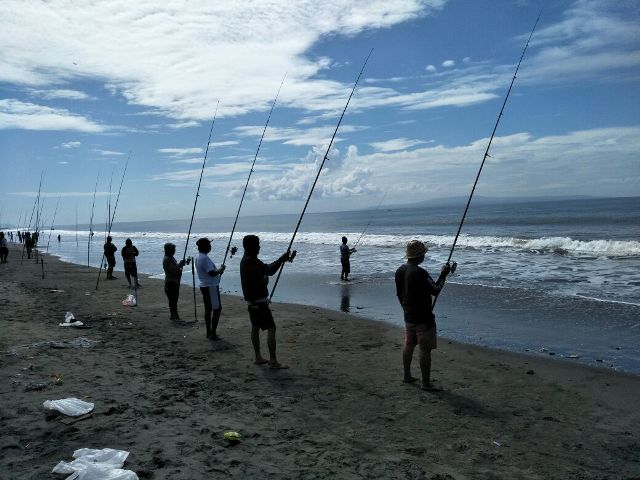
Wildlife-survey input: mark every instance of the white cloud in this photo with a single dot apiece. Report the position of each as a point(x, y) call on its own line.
point(108, 153)
point(178, 60)
point(70, 145)
point(223, 144)
point(181, 125)
point(316, 136)
point(396, 144)
point(431, 68)
point(63, 163)
point(178, 152)
point(449, 63)
point(60, 93)
point(15, 114)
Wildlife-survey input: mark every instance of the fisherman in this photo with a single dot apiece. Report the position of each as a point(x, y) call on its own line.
point(209, 277)
point(254, 276)
point(129, 253)
point(415, 289)
point(28, 243)
point(172, 274)
point(4, 249)
point(58, 238)
point(19, 236)
point(345, 253)
point(109, 252)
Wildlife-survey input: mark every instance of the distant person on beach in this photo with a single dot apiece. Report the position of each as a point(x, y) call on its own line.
point(58, 238)
point(4, 249)
point(129, 253)
point(254, 276)
point(28, 243)
point(209, 277)
point(415, 289)
point(345, 253)
point(110, 254)
point(172, 274)
point(19, 236)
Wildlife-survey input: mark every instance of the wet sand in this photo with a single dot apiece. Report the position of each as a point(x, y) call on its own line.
point(167, 395)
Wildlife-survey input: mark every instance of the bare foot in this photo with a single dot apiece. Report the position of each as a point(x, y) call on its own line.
point(260, 361)
point(409, 380)
point(430, 387)
point(215, 338)
point(278, 366)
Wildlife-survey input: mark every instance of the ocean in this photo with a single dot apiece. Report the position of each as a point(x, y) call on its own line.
point(554, 278)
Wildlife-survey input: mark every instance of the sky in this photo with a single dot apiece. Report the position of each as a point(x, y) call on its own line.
point(86, 85)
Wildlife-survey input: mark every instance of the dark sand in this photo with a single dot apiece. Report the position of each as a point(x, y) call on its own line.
point(167, 395)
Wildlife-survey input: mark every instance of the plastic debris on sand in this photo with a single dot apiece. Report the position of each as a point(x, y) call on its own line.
point(95, 464)
point(73, 407)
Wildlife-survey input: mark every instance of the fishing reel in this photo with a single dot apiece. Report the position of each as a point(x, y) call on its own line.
point(292, 255)
point(453, 267)
point(233, 251)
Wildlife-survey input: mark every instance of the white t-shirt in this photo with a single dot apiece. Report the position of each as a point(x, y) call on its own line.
point(203, 266)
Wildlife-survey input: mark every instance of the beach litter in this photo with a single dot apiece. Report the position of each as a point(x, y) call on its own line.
point(130, 301)
point(73, 407)
point(94, 464)
point(69, 318)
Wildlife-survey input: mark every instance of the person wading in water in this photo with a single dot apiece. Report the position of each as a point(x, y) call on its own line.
point(345, 253)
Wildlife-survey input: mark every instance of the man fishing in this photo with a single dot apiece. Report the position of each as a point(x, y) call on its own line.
point(110, 254)
point(254, 276)
point(345, 254)
point(415, 289)
point(209, 277)
point(172, 274)
point(129, 253)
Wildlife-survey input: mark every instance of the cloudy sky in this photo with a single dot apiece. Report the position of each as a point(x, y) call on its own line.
point(82, 84)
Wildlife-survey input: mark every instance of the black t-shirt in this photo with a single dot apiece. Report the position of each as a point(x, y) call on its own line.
point(254, 276)
point(414, 287)
point(109, 250)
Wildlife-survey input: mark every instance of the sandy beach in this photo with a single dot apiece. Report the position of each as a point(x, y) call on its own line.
point(167, 395)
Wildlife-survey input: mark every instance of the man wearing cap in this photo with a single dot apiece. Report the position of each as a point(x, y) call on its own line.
point(415, 289)
point(209, 277)
point(172, 274)
point(254, 276)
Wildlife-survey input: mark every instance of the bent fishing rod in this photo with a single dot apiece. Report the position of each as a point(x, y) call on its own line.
point(313, 186)
point(113, 215)
point(370, 220)
point(235, 222)
point(193, 213)
point(486, 152)
point(93, 204)
point(53, 221)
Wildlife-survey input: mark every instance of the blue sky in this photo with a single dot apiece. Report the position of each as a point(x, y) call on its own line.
point(81, 86)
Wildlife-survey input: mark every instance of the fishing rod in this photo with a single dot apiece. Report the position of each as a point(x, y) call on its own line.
point(93, 204)
point(324, 159)
point(77, 245)
point(24, 243)
point(113, 215)
point(370, 220)
point(193, 213)
point(204, 161)
point(235, 222)
point(52, 223)
point(486, 152)
point(39, 224)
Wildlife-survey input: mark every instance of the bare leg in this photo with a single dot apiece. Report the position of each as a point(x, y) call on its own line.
point(207, 322)
point(407, 356)
point(425, 367)
point(255, 340)
point(128, 275)
point(215, 319)
point(271, 343)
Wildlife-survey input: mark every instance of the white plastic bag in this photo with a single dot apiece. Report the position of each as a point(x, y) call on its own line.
point(68, 317)
point(69, 321)
point(130, 301)
point(74, 407)
point(93, 464)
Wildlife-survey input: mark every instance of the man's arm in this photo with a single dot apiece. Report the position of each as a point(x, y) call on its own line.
point(272, 268)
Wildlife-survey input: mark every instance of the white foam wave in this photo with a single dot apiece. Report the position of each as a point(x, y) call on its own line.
point(561, 245)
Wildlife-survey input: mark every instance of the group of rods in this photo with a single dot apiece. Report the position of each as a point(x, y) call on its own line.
point(37, 208)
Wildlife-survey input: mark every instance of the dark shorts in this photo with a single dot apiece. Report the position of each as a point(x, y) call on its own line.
point(346, 265)
point(111, 261)
point(130, 268)
point(211, 297)
point(4, 251)
point(261, 317)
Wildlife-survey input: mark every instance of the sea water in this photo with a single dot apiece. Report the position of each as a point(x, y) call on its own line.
point(546, 277)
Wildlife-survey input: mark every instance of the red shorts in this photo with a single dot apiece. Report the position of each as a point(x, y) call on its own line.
point(420, 334)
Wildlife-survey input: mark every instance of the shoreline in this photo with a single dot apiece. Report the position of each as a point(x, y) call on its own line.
point(166, 394)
